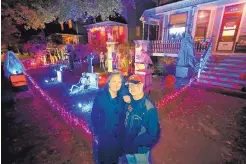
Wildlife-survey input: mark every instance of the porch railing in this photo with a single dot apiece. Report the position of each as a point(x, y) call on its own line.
point(173, 46)
point(204, 57)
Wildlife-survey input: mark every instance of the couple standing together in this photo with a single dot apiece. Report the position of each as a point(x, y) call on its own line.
point(126, 126)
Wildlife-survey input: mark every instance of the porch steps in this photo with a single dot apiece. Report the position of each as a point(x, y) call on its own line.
point(223, 72)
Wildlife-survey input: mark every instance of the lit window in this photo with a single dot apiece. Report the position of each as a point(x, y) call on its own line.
point(70, 24)
point(228, 33)
point(202, 24)
point(177, 25)
point(138, 31)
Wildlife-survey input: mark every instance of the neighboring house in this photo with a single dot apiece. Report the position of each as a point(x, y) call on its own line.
point(67, 32)
point(225, 20)
point(100, 33)
point(131, 17)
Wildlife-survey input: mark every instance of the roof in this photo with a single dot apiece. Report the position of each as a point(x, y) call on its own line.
point(157, 11)
point(106, 23)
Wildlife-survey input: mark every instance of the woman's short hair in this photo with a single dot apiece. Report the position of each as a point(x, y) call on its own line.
point(115, 73)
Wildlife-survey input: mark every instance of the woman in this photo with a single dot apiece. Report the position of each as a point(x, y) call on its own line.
point(108, 119)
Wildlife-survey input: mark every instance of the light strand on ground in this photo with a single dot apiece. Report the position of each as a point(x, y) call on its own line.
point(67, 116)
point(162, 103)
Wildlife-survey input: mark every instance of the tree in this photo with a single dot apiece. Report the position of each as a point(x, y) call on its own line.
point(30, 14)
point(77, 9)
point(36, 13)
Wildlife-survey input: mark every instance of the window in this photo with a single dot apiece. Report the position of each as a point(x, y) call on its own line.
point(202, 24)
point(177, 24)
point(229, 29)
point(138, 31)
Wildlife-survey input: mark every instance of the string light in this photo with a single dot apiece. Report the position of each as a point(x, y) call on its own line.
point(67, 116)
point(162, 103)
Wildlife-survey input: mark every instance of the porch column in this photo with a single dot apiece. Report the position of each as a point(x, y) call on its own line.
point(190, 20)
point(148, 29)
point(157, 28)
point(111, 49)
point(143, 31)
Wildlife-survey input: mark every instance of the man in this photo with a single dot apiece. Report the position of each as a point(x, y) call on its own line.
point(142, 126)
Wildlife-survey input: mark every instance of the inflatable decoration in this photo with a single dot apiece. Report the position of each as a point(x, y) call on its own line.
point(12, 65)
point(170, 81)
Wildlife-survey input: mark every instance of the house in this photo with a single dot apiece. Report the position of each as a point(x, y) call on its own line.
point(225, 20)
point(66, 33)
point(223, 61)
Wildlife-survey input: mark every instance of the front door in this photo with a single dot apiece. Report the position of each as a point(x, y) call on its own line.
point(229, 28)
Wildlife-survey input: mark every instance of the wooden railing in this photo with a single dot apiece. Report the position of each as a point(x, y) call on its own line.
point(173, 46)
point(204, 57)
point(164, 46)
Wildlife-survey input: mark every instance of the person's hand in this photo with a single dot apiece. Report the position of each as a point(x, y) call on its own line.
point(127, 99)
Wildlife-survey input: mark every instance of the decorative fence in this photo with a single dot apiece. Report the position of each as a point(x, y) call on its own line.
point(173, 46)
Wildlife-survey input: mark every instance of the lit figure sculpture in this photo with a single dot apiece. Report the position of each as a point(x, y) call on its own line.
point(186, 55)
point(81, 85)
point(12, 65)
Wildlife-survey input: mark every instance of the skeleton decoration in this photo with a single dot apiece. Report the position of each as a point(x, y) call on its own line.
point(81, 85)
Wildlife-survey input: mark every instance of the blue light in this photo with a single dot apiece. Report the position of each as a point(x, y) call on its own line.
point(79, 105)
point(14, 71)
point(46, 81)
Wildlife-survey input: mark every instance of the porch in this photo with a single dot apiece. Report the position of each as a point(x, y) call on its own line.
point(202, 19)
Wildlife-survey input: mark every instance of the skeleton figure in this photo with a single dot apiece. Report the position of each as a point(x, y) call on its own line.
point(82, 84)
point(102, 60)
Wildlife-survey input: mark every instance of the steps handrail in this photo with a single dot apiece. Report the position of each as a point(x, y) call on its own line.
point(204, 57)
